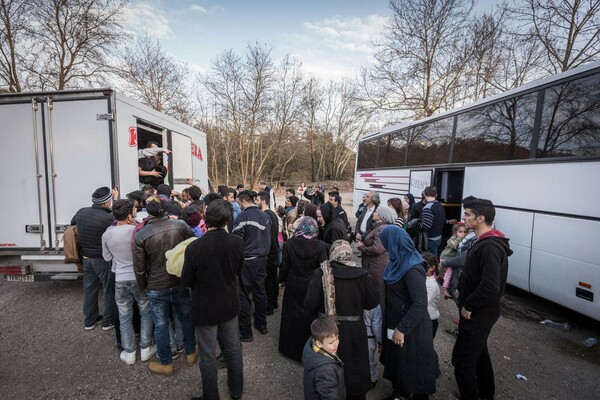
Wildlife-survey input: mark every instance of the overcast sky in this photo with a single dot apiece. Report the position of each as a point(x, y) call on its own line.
point(330, 37)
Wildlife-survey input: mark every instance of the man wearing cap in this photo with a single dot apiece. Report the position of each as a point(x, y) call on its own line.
point(91, 223)
point(160, 234)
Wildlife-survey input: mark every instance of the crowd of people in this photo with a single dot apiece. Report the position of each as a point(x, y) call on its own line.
point(198, 273)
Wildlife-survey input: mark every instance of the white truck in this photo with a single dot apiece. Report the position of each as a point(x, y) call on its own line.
point(57, 148)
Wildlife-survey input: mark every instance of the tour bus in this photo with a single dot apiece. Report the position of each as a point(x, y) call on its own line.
point(57, 148)
point(535, 152)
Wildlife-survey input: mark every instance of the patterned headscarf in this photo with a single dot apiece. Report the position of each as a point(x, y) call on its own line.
point(341, 252)
point(306, 227)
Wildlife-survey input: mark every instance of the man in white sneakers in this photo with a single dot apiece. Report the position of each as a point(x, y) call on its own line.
point(116, 247)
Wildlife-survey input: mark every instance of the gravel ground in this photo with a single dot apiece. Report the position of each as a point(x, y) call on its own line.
point(47, 354)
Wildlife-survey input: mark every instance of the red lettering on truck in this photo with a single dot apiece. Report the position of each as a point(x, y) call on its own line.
point(196, 151)
point(132, 136)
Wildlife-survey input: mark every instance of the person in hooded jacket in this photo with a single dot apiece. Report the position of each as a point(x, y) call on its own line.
point(302, 255)
point(480, 287)
point(323, 369)
point(334, 228)
point(408, 354)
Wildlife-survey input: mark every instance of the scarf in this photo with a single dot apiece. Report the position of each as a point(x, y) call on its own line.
point(306, 227)
point(402, 253)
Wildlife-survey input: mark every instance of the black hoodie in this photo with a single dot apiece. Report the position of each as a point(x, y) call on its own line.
point(483, 280)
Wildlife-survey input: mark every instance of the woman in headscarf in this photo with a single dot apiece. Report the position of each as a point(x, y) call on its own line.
point(342, 291)
point(374, 255)
point(408, 353)
point(302, 255)
point(334, 228)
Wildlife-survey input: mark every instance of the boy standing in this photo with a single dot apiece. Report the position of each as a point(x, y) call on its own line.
point(323, 370)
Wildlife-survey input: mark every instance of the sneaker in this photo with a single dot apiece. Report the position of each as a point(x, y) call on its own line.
point(98, 320)
point(147, 353)
point(451, 332)
point(156, 367)
point(128, 358)
point(221, 361)
point(180, 349)
point(108, 327)
point(175, 355)
point(246, 339)
point(191, 359)
point(262, 329)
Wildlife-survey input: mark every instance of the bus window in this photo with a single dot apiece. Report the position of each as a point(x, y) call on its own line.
point(367, 154)
point(571, 119)
point(430, 143)
point(499, 131)
point(392, 150)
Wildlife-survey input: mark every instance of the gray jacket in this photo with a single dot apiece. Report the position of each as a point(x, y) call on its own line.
point(323, 375)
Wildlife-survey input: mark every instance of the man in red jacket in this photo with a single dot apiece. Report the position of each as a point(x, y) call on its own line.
point(480, 289)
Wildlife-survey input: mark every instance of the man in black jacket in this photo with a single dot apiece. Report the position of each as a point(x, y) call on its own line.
point(159, 235)
point(212, 268)
point(91, 223)
point(365, 220)
point(254, 226)
point(480, 288)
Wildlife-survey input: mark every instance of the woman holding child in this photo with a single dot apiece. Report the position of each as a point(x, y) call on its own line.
point(408, 353)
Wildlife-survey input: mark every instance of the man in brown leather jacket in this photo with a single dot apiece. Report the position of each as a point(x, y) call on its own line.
point(159, 235)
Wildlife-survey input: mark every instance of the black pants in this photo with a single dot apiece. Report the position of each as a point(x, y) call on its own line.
point(272, 282)
point(472, 364)
point(253, 281)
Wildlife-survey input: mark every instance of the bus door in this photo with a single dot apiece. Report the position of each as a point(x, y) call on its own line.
point(450, 184)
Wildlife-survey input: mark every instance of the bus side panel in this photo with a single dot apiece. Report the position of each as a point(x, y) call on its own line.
point(20, 202)
point(548, 187)
point(518, 227)
point(388, 183)
point(566, 252)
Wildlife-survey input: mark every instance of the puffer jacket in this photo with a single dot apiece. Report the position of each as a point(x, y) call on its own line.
point(151, 243)
point(323, 375)
point(91, 223)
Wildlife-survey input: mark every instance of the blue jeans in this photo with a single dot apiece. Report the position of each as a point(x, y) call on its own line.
point(160, 302)
point(125, 293)
point(96, 275)
point(434, 245)
point(228, 332)
point(175, 332)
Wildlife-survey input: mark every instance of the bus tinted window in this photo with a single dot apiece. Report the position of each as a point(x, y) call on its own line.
point(500, 131)
point(392, 149)
point(430, 143)
point(571, 119)
point(367, 154)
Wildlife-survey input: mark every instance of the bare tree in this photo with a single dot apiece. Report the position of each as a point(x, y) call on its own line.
point(13, 27)
point(568, 30)
point(421, 57)
point(71, 41)
point(155, 78)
